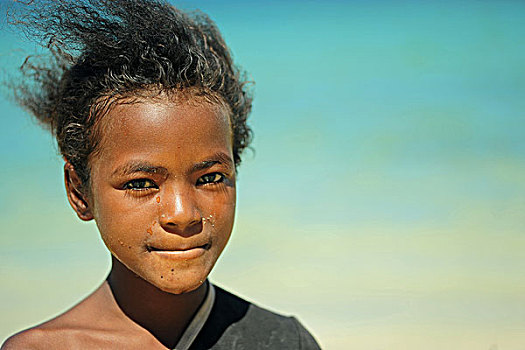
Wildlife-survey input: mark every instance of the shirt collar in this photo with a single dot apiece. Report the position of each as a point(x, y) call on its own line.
point(198, 320)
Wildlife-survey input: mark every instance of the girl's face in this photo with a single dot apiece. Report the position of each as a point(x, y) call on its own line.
point(163, 189)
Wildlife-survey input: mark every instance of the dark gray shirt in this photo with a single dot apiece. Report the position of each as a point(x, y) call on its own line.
point(235, 324)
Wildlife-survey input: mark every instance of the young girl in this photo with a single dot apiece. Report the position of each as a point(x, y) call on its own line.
point(149, 114)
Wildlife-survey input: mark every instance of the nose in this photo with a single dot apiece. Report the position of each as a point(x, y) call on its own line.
point(179, 213)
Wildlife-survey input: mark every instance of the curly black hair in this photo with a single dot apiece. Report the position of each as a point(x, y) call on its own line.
point(105, 50)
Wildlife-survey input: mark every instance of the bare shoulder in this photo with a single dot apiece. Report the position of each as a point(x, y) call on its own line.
point(45, 337)
point(42, 338)
point(56, 333)
point(33, 338)
point(92, 323)
point(60, 333)
point(62, 337)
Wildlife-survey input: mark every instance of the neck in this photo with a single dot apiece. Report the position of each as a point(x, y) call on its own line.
point(163, 314)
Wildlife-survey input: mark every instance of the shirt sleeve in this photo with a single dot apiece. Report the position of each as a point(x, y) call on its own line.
point(306, 340)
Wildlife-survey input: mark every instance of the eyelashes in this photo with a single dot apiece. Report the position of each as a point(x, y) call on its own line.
point(140, 185)
point(212, 178)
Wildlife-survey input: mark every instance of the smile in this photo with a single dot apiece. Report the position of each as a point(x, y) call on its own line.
point(180, 254)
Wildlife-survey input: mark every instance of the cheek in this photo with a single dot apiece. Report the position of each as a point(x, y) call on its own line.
point(220, 216)
point(121, 225)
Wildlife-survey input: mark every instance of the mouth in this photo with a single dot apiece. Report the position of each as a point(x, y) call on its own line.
point(179, 253)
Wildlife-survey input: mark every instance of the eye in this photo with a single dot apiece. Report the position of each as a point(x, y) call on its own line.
point(140, 185)
point(211, 178)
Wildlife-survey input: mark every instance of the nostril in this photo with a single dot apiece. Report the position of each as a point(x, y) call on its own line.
point(180, 224)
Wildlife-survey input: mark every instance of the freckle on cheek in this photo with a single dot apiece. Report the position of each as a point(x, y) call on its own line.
point(158, 199)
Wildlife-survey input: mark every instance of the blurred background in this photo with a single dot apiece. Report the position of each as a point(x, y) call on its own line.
point(384, 201)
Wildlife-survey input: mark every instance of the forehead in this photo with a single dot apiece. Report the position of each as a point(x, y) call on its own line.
point(164, 124)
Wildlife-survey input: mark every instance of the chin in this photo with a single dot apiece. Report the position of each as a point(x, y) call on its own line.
point(180, 285)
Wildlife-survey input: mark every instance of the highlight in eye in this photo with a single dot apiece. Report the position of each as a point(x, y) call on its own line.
point(211, 178)
point(140, 185)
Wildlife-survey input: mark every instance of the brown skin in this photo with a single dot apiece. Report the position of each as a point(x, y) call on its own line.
point(163, 198)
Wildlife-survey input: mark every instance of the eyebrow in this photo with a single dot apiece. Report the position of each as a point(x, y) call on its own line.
point(217, 158)
point(139, 167)
point(146, 167)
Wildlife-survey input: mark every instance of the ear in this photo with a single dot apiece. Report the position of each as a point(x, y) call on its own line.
point(75, 195)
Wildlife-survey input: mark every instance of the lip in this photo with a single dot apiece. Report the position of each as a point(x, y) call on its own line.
point(180, 254)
